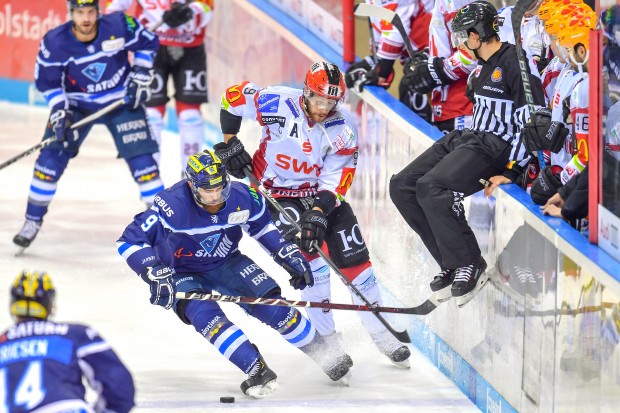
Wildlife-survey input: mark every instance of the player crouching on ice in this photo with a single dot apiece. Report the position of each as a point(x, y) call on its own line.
point(188, 242)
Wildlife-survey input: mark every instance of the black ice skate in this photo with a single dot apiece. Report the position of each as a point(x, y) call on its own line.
point(26, 235)
point(327, 353)
point(397, 352)
point(468, 281)
point(440, 285)
point(261, 381)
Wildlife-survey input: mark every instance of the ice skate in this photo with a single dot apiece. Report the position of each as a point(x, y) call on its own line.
point(469, 280)
point(441, 285)
point(397, 352)
point(261, 381)
point(327, 353)
point(26, 235)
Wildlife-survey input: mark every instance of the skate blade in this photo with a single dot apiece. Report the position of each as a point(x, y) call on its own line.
point(20, 251)
point(260, 392)
point(443, 295)
point(402, 364)
point(464, 299)
point(343, 381)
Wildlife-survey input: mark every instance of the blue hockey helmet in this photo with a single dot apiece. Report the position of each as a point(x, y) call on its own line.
point(75, 4)
point(209, 179)
point(32, 295)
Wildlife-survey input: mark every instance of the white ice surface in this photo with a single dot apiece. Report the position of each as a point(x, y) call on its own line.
point(175, 368)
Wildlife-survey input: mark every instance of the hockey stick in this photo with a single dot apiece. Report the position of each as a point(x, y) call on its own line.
point(47, 142)
point(369, 10)
point(518, 12)
point(373, 43)
point(298, 303)
point(401, 336)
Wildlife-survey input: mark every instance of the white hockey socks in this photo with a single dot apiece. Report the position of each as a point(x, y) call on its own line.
point(156, 121)
point(366, 283)
point(191, 131)
point(321, 319)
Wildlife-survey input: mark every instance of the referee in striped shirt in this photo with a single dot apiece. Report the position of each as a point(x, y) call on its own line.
point(429, 191)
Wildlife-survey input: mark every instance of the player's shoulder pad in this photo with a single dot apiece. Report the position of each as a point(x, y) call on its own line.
point(117, 21)
point(246, 196)
point(171, 201)
point(238, 95)
point(53, 42)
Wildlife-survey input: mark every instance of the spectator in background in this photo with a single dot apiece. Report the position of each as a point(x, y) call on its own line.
point(444, 70)
point(50, 377)
point(180, 57)
point(416, 17)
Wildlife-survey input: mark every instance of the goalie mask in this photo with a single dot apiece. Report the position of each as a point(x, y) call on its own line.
point(209, 180)
point(32, 295)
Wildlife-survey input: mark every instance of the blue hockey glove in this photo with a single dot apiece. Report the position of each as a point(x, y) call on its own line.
point(291, 259)
point(159, 279)
point(234, 156)
point(61, 122)
point(313, 226)
point(139, 87)
point(177, 15)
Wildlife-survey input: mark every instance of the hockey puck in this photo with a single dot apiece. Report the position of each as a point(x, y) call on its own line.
point(227, 399)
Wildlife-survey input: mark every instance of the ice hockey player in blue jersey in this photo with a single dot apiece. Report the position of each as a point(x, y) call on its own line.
point(83, 66)
point(43, 363)
point(188, 242)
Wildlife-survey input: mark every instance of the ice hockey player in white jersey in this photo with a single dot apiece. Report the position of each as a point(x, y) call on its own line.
point(188, 242)
point(307, 158)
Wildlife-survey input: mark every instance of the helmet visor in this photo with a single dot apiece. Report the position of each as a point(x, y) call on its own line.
point(320, 103)
point(459, 38)
point(210, 195)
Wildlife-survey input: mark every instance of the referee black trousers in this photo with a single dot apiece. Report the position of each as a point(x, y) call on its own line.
point(429, 192)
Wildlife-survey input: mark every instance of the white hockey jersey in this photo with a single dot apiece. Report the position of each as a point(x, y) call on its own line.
point(296, 157)
point(150, 12)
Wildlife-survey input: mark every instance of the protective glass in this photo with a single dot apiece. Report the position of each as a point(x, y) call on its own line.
point(459, 38)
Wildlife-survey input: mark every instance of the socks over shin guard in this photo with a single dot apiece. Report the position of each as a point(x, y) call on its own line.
point(227, 338)
point(322, 319)
point(366, 283)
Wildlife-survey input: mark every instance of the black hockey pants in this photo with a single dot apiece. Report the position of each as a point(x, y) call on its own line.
point(428, 193)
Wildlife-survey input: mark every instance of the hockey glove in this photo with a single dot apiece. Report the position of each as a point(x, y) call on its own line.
point(61, 122)
point(234, 156)
point(365, 72)
point(291, 259)
point(139, 87)
point(425, 76)
point(543, 133)
point(177, 15)
point(546, 184)
point(313, 226)
point(159, 279)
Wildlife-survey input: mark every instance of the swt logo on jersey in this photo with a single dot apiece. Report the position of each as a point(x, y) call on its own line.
point(212, 249)
point(287, 163)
